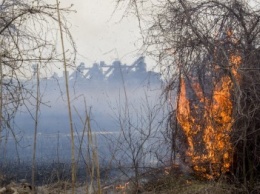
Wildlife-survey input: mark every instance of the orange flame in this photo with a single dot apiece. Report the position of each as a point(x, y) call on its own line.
point(206, 121)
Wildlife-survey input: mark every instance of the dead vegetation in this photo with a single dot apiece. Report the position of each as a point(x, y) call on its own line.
point(16, 188)
point(232, 29)
point(160, 180)
point(183, 184)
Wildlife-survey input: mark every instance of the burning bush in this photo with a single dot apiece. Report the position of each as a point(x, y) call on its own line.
point(210, 49)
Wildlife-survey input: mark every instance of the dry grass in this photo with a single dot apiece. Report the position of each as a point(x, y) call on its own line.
point(157, 181)
point(61, 187)
point(187, 185)
point(179, 184)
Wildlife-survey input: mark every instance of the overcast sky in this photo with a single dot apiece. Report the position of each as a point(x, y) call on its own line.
point(102, 34)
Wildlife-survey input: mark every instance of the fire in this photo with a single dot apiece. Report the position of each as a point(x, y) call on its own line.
point(206, 120)
point(122, 187)
point(207, 125)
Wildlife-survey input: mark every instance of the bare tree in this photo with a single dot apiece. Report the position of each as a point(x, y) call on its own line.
point(137, 149)
point(210, 45)
point(28, 36)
